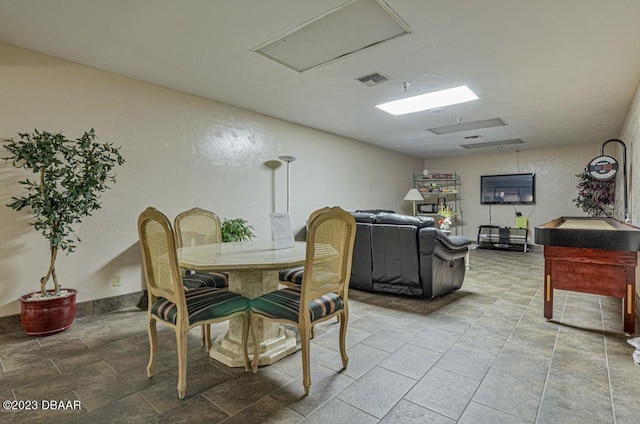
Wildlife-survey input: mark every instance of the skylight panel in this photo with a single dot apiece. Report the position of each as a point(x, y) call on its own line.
point(450, 96)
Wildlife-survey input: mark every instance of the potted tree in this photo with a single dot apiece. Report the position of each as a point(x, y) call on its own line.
point(69, 177)
point(595, 197)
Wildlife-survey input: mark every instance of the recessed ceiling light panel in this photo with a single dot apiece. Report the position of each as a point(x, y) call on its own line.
point(435, 99)
point(468, 126)
point(492, 143)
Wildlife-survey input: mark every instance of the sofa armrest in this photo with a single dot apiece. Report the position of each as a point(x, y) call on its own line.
point(448, 248)
point(453, 242)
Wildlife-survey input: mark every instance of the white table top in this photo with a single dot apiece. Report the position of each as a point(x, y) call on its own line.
point(254, 255)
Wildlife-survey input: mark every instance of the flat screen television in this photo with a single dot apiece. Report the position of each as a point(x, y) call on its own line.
point(508, 189)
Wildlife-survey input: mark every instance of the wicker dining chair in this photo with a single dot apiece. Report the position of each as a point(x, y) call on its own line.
point(292, 277)
point(323, 293)
point(195, 227)
point(169, 303)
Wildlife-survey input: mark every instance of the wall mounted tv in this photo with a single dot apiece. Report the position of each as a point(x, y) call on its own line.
point(508, 189)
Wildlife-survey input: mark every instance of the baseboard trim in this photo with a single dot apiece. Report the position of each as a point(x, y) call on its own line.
point(12, 323)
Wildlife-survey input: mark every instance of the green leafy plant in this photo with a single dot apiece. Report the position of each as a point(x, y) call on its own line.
point(595, 197)
point(236, 229)
point(69, 177)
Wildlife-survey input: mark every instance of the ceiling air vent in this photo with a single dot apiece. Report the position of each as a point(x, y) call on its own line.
point(492, 143)
point(373, 79)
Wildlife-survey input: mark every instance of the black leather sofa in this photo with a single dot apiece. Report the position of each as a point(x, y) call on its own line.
point(406, 255)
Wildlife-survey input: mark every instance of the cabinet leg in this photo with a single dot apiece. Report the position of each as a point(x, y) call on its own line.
point(629, 314)
point(548, 298)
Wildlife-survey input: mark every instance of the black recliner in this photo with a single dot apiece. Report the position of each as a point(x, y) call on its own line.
point(406, 255)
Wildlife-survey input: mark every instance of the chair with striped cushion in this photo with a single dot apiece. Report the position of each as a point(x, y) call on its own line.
point(169, 303)
point(292, 277)
point(195, 227)
point(323, 293)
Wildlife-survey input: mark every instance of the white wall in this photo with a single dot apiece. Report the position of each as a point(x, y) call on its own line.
point(181, 151)
point(630, 134)
point(556, 180)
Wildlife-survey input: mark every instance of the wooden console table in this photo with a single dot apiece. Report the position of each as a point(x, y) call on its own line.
point(591, 255)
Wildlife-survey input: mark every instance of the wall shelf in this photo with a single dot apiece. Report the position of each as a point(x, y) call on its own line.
point(437, 192)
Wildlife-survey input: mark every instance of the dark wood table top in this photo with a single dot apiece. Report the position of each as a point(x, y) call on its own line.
point(586, 232)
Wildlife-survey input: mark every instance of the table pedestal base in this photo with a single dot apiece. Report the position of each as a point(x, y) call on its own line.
point(229, 352)
point(276, 341)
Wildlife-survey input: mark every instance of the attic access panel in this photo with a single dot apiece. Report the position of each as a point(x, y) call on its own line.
point(347, 29)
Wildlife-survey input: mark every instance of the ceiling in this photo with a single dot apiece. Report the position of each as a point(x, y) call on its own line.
point(558, 73)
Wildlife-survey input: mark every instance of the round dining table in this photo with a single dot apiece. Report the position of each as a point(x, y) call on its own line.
point(253, 271)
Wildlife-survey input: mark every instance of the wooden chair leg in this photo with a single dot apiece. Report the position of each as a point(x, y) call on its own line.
point(305, 338)
point(344, 318)
point(203, 337)
point(153, 345)
point(181, 341)
point(207, 336)
point(256, 345)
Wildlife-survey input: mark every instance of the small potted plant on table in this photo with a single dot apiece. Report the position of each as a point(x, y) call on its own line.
point(236, 229)
point(70, 176)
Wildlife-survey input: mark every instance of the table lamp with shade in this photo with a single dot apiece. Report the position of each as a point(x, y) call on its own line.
point(414, 196)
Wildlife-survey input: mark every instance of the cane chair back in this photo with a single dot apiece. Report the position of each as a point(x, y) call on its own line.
point(160, 261)
point(292, 277)
point(197, 226)
point(329, 254)
point(323, 293)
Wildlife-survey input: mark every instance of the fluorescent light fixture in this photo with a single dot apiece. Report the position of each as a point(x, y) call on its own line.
point(492, 143)
point(450, 96)
point(468, 126)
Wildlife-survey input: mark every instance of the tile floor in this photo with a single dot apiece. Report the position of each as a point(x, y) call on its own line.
point(483, 354)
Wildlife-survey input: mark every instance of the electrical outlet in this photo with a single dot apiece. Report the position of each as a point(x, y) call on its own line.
point(117, 280)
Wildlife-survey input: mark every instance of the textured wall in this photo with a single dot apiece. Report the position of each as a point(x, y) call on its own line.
point(630, 134)
point(182, 151)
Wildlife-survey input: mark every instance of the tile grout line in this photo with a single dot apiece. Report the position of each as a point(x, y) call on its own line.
point(606, 357)
point(553, 351)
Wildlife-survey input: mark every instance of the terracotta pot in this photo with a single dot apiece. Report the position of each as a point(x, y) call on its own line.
point(47, 316)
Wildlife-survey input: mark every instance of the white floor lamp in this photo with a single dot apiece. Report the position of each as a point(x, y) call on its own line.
point(288, 159)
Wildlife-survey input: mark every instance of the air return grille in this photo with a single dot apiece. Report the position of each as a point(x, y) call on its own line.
point(373, 79)
point(347, 29)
